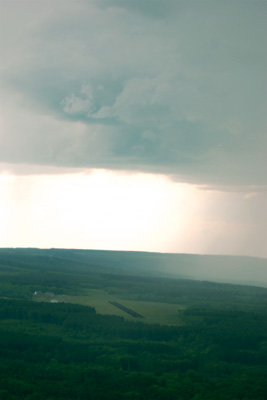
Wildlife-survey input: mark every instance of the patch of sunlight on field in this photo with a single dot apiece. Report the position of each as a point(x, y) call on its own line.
point(153, 312)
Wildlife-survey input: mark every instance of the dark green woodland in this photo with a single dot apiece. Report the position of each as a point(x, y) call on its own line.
point(53, 349)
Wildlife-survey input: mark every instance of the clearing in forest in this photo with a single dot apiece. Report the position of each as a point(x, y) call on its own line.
point(153, 312)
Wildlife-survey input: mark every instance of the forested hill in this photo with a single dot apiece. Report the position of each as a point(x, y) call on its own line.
point(228, 269)
point(107, 325)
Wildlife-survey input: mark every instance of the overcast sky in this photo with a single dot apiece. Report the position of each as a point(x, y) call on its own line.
point(134, 124)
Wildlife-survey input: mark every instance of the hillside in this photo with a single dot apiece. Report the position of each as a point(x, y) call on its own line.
point(227, 269)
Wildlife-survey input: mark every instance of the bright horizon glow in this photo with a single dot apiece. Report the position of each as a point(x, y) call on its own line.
point(100, 209)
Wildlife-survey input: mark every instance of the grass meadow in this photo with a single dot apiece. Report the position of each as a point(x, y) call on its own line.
point(153, 312)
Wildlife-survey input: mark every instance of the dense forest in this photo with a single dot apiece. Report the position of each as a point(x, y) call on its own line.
point(216, 350)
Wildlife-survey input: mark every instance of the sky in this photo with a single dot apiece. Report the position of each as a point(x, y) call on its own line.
point(134, 125)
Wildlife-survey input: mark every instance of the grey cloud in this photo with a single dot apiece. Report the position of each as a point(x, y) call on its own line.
point(172, 87)
point(149, 8)
point(83, 103)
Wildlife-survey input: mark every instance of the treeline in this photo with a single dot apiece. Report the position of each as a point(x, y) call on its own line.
point(65, 351)
point(84, 319)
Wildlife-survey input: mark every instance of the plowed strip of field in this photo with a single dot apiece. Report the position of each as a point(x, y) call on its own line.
point(127, 310)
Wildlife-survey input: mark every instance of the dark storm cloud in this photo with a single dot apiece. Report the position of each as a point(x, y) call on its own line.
point(172, 87)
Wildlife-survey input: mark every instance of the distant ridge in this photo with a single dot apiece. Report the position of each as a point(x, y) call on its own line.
point(215, 268)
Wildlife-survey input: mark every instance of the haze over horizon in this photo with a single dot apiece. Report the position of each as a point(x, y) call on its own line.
point(134, 125)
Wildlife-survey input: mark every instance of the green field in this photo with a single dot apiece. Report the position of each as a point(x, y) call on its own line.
point(154, 312)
